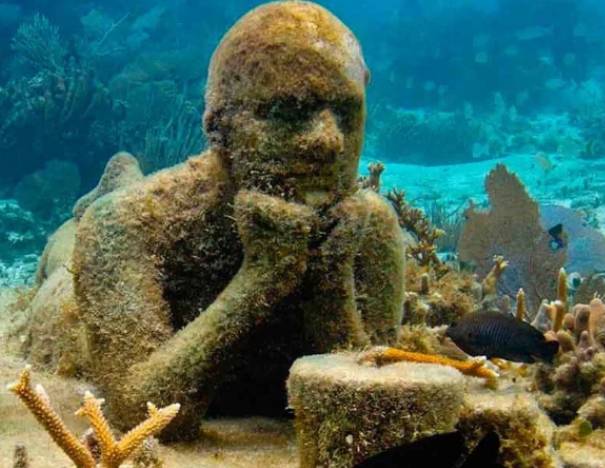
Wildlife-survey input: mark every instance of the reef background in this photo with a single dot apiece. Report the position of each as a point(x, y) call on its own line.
point(453, 84)
point(457, 88)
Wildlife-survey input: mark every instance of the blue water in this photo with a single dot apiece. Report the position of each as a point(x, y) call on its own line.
point(456, 86)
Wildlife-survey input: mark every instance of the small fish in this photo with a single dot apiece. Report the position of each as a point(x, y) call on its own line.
point(440, 451)
point(495, 334)
point(558, 237)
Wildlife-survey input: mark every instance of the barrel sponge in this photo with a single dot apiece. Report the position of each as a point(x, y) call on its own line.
point(346, 412)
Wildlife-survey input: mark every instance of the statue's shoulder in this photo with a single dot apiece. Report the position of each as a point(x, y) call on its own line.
point(378, 206)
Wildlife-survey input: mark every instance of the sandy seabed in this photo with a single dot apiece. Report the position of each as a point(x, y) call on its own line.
point(229, 442)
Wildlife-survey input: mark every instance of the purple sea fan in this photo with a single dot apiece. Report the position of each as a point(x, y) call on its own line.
point(511, 228)
point(585, 245)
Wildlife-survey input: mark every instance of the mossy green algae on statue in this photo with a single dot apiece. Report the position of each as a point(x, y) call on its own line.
point(247, 256)
point(346, 412)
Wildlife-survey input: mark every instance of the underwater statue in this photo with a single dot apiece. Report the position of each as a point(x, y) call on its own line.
point(259, 250)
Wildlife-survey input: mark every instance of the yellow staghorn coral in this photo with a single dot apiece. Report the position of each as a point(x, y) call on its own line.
point(91, 409)
point(158, 419)
point(37, 402)
point(113, 453)
point(384, 355)
point(491, 280)
point(562, 293)
point(521, 310)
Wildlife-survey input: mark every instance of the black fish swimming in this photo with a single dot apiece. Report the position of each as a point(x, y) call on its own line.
point(499, 335)
point(439, 451)
point(558, 237)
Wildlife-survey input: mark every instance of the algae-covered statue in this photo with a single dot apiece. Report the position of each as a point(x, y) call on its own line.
point(257, 251)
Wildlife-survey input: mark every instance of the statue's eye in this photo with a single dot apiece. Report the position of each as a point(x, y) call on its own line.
point(347, 110)
point(287, 109)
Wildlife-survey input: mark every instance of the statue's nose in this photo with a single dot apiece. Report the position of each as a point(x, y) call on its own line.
point(323, 139)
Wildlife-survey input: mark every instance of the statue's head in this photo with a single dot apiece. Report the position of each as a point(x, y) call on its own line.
point(285, 103)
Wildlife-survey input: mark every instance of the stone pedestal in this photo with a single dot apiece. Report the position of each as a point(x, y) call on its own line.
point(346, 412)
point(525, 430)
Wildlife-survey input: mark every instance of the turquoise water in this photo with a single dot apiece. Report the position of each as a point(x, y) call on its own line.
point(457, 89)
point(455, 86)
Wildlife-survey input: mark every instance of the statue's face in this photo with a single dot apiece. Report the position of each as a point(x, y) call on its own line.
point(288, 114)
point(305, 149)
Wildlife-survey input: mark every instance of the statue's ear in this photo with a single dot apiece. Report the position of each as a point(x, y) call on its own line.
point(214, 126)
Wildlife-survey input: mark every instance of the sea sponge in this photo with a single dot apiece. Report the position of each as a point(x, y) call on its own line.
point(346, 412)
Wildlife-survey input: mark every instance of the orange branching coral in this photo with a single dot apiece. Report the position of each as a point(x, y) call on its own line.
point(490, 282)
point(37, 402)
point(511, 228)
point(113, 453)
point(383, 355)
point(521, 309)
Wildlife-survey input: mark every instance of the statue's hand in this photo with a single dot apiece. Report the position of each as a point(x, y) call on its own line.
point(343, 231)
point(274, 233)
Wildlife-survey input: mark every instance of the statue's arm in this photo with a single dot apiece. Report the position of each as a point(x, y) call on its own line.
point(188, 366)
point(380, 272)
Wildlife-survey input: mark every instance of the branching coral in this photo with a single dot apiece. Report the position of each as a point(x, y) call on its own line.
point(372, 181)
point(580, 368)
point(112, 453)
point(40, 44)
point(512, 229)
point(414, 221)
point(382, 355)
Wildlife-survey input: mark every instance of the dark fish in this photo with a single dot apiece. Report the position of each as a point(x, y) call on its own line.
point(558, 237)
point(439, 451)
point(495, 334)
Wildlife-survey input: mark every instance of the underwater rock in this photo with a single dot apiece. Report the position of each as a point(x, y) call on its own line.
point(525, 431)
point(346, 412)
point(20, 232)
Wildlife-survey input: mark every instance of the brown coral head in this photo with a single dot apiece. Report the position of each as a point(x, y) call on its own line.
point(285, 101)
point(596, 324)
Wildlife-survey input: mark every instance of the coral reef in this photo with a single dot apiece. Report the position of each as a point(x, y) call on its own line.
point(585, 244)
point(346, 412)
point(580, 369)
point(50, 192)
point(413, 220)
point(512, 229)
point(112, 453)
